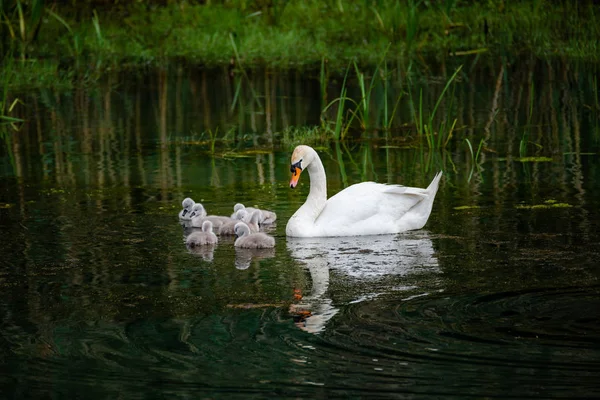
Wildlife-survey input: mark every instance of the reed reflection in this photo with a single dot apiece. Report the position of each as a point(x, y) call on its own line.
point(369, 266)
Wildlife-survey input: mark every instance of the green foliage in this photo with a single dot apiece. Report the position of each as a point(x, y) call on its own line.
point(310, 135)
point(92, 36)
point(341, 123)
point(474, 157)
point(437, 135)
point(525, 138)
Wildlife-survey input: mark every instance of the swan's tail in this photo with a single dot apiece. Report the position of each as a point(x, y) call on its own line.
point(433, 186)
point(420, 212)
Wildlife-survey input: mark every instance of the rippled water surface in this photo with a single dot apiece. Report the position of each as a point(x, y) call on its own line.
point(498, 296)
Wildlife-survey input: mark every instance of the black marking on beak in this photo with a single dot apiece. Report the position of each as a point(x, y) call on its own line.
point(184, 212)
point(294, 166)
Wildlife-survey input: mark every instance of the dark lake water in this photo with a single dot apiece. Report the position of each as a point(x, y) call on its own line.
point(497, 297)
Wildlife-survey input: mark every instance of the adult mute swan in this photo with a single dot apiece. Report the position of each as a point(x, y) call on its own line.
point(366, 208)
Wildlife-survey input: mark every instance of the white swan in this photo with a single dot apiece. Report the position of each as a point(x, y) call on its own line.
point(249, 240)
point(266, 216)
point(204, 237)
point(187, 204)
point(366, 208)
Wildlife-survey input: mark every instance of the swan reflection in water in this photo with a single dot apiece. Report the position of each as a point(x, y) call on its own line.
point(361, 260)
point(244, 257)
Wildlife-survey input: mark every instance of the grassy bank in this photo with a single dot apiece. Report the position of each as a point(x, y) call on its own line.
point(56, 45)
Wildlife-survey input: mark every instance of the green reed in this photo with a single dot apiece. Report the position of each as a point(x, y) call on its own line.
point(412, 24)
point(474, 157)
point(292, 136)
point(340, 125)
point(388, 118)
point(437, 136)
point(363, 109)
point(526, 132)
point(6, 105)
point(323, 81)
point(243, 70)
point(7, 121)
point(23, 22)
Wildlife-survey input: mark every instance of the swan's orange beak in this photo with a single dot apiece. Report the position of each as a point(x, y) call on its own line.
point(295, 176)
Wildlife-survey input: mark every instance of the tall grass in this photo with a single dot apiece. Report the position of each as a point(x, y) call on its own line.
point(474, 157)
point(282, 33)
point(241, 68)
point(361, 111)
point(526, 132)
point(412, 24)
point(436, 135)
point(6, 105)
point(7, 122)
point(340, 125)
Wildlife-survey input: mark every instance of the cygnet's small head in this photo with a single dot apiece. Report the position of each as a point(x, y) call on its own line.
point(301, 158)
point(207, 226)
point(198, 210)
point(238, 206)
point(240, 214)
point(187, 203)
point(241, 229)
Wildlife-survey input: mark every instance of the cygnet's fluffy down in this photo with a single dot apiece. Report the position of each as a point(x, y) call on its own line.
point(228, 228)
point(266, 217)
point(199, 216)
point(217, 222)
point(249, 240)
point(186, 213)
point(204, 237)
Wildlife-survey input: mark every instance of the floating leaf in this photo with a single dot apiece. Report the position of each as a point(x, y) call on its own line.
point(466, 207)
point(542, 206)
point(534, 159)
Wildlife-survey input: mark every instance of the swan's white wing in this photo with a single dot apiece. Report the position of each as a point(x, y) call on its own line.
point(368, 207)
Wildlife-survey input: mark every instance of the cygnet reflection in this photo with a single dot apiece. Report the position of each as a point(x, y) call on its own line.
point(245, 257)
point(207, 252)
point(364, 263)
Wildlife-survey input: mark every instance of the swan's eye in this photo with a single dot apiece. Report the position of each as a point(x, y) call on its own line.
point(296, 165)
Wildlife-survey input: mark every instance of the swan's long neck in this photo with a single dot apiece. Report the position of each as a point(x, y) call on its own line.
point(317, 196)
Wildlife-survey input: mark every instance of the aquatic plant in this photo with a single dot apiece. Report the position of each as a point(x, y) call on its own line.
point(6, 107)
point(474, 158)
point(437, 136)
point(340, 125)
point(525, 137)
point(21, 24)
point(314, 136)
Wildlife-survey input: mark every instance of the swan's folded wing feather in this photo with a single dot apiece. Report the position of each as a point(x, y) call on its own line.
point(368, 205)
point(406, 190)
